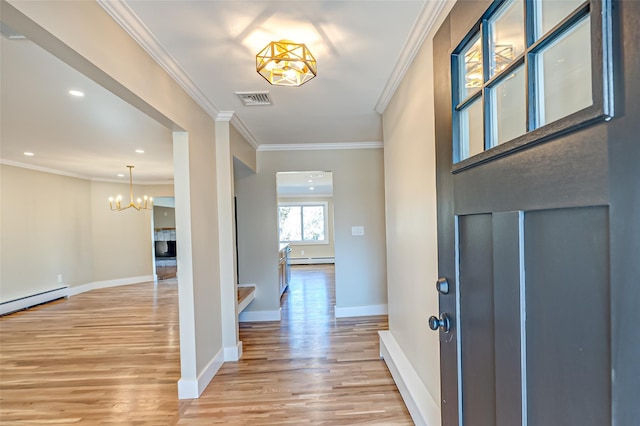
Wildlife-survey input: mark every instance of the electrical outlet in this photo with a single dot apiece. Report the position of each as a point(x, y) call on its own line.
point(302, 252)
point(60, 278)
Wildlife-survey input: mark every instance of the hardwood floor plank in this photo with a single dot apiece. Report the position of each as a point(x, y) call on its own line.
point(111, 356)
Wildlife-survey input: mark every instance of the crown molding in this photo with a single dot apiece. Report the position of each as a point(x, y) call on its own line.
point(129, 21)
point(43, 169)
point(424, 23)
point(77, 175)
point(225, 116)
point(320, 146)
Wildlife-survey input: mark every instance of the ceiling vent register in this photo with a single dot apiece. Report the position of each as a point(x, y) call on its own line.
point(255, 98)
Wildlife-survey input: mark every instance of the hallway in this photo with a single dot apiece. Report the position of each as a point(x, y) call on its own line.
point(112, 356)
point(308, 369)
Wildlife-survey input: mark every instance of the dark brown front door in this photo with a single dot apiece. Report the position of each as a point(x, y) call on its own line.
point(541, 249)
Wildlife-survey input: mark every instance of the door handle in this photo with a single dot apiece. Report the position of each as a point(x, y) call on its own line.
point(443, 323)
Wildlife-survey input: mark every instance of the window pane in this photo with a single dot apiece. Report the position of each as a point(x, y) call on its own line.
point(313, 221)
point(471, 130)
point(565, 84)
point(551, 12)
point(471, 77)
point(290, 223)
point(509, 107)
point(507, 35)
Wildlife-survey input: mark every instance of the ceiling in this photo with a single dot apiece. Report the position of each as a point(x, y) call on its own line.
point(304, 184)
point(209, 47)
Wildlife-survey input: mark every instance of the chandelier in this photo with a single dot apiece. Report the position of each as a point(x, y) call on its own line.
point(145, 203)
point(285, 63)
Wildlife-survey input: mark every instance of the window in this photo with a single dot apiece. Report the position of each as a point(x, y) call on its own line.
point(303, 223)
point(529, 70)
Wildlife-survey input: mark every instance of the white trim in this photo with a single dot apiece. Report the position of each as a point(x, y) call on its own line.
point(11, 306)
point(250, 298)
point(193, 388)
point(320, 146)
point(129, 21)
point(311, 260)
point(42, 169)
point(260, 316)
point(78, 176)
point(424, 23)
point(225, 116)
point(361, 311)
point(423, 408)
point(233, 353)
point(109, 283)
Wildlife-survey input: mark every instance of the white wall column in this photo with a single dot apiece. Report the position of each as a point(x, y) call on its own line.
point(228, 288)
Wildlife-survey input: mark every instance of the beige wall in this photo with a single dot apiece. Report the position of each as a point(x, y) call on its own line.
point(57, 225)
point(410, 186)
point(358, 201)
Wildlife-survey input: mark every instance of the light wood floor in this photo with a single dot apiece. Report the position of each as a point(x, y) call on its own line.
point(112, 357)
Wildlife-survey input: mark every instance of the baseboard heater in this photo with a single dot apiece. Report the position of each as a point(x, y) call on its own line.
point(33, 300)
point(311, 260)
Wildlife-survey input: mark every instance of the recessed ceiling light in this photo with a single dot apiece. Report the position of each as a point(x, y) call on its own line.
point(120, 175)
point(140, 151)
point(309, 181)
point(311, 188)
point(29, 153)
point(76, 93)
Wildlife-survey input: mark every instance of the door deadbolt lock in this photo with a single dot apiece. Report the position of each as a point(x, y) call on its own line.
point(442, 285)
point(443, 323)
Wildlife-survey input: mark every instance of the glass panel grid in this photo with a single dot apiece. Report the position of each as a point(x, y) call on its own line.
point(550, 13)
point(507, 35)
point(471, 75)
point(471, 130)
point(508, 107)
point(564, 74)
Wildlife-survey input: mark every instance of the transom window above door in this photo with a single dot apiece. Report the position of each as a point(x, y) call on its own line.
point(528, 71)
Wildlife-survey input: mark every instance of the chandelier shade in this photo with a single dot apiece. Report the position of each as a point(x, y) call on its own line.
point(285, 63)
point(145, 203)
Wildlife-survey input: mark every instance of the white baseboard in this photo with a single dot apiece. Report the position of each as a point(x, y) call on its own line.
point(193, 388)
point(423, 408)
point(311, 260)
point(109, 283)
point(233, 353)
point(360, 311)
point(260, 316)
point(33, 300)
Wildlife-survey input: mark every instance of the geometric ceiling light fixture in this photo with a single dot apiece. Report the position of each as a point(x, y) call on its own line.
point(285, 63)
point(145, 203)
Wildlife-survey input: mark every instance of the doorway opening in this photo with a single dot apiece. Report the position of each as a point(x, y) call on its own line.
point(164, 248)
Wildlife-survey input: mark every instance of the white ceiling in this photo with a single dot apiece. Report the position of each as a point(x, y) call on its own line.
point(361, 48)
point(304, 184)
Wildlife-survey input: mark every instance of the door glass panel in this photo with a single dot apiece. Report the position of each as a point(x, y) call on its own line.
point(471, 76)
point(509, 107)
point(551, 12)
point(471, 130)
point(507, 35)
point(565, 67)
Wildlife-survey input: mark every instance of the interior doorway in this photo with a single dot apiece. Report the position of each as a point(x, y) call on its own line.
point(305, 216)
point(164, 246)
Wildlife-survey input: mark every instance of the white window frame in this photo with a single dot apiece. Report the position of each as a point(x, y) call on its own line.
point(325, 208)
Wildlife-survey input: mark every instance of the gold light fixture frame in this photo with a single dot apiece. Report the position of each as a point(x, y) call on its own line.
point(145, 203)
point(285, 63)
